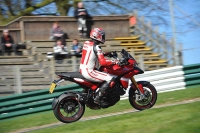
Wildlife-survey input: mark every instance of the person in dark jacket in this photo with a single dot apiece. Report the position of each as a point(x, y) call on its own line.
point(7, 42)
point(57, 33)
point(81, 14)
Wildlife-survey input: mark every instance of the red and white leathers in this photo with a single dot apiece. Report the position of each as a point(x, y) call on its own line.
point(92, 57)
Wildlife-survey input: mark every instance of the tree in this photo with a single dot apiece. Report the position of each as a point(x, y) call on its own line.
point(155, 10)
point(11, 9)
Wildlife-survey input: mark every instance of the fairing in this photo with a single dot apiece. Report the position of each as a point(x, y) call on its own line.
point(123, 73)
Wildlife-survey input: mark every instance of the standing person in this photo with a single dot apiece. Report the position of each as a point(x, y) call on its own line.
point(7, 42)
point(76, 47)
point(57, 33)
point(81, 14)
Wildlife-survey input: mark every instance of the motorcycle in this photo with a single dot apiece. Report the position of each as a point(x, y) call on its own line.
point(70, 106)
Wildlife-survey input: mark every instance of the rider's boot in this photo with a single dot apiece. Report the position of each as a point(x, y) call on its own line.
point(102, 90)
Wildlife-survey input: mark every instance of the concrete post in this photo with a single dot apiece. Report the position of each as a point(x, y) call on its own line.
point(18, 86)
point(171, 4)
point(164, 43)
point(52, 63)
point(74, 63)
point(173, 51)
point(141, 61)
point(132, 52)
point(180, 54)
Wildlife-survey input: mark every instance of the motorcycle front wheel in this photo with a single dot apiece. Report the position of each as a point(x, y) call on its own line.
point(146, 101)
point(69, 110)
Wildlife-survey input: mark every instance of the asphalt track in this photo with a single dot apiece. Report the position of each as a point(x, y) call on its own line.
point(25, 130)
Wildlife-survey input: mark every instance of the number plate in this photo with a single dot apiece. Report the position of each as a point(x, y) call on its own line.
point(52, 87)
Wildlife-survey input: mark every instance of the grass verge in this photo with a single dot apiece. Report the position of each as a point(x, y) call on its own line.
point(48, 116)
point(176, 119)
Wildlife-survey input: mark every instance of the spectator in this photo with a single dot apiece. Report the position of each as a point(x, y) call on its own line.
point(60, 51)
point(57, 33)
point(81, 14)
point(7, 42)
point(76, 47)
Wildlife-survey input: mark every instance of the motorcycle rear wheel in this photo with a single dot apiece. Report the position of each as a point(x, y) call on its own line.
point(69, 110)
point(148, 102)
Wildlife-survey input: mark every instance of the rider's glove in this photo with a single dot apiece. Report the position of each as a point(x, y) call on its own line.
point(119, 63)
point(115, 62)
point(122, 63)
point(108, 54)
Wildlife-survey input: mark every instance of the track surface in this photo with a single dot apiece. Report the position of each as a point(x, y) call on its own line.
point(24, 130)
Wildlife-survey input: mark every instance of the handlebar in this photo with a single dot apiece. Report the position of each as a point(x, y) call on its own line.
point(122, 61)
point(125, 57)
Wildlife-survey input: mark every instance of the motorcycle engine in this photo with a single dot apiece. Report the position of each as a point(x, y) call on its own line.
point(113, 96)
point(92, 105)
point(118, 90)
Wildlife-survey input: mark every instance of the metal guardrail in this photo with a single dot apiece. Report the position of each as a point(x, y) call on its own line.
point(192, 74)
point(31, 102)
point(167, 79)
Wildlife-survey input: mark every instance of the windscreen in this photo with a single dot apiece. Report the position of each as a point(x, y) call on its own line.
point(126, 54)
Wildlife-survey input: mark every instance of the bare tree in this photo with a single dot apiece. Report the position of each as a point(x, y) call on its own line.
point(155, 10)
point(11, 9)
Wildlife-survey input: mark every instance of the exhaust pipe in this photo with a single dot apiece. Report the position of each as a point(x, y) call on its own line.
point(78, 97)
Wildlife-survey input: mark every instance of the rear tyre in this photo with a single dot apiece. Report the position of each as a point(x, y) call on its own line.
point(69, 110)
point(139, 103)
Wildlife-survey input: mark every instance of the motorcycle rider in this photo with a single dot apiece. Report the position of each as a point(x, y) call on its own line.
point(92, 57)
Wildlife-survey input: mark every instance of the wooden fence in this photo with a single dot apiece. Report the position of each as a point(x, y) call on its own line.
point(34, 28)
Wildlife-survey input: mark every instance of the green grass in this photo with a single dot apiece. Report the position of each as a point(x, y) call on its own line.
point(177, 119)
point(48, 116)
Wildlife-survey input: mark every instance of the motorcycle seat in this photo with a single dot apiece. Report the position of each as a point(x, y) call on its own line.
point(70, 74)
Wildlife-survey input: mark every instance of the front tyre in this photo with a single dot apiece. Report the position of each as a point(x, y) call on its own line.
point(146, 101)
point(69, 110)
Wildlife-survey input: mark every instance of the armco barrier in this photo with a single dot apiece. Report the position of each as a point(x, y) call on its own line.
point(192, 74)
point(31, 102)
point(167, 79)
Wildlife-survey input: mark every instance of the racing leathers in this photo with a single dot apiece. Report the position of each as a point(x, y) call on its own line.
point(92, 57)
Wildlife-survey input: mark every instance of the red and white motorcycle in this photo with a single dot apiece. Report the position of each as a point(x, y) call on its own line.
point(70, 106)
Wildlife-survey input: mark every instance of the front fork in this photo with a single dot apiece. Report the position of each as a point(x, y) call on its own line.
point(137, 86)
